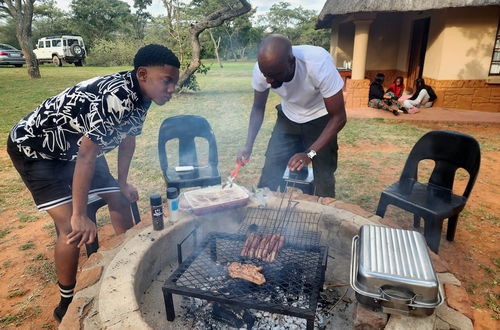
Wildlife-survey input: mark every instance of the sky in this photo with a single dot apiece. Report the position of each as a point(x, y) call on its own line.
point(262, 5)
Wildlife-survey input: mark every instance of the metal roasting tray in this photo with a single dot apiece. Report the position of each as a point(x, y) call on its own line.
point(214, 198)
point(391, 268)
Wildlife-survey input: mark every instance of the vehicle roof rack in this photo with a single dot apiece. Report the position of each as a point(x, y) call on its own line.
point(60, 36)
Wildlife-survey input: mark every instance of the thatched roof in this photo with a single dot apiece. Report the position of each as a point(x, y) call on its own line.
point(334, 8)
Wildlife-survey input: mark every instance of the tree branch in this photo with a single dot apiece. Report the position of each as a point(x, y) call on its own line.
point(214, 19)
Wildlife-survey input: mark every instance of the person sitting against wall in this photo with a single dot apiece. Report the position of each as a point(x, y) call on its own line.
point(379, 100)
point(423, 97)
point(397, 87)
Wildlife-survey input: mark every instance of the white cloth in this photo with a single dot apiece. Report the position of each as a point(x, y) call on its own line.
point(315, 78)
point(423, 95)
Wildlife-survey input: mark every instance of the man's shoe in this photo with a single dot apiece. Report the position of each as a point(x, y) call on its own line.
point(395, 112)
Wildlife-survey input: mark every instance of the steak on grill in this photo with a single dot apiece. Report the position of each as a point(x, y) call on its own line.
point(247, 272)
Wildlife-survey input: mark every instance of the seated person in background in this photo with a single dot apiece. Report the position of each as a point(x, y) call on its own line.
point(397, 87)
point(406, 94)
point(379, 100)
point(423, 98)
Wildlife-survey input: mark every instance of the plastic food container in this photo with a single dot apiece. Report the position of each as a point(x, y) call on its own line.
point(211, 199)
point(391, 269)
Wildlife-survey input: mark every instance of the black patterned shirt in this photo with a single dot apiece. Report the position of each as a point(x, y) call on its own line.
point(105, 109)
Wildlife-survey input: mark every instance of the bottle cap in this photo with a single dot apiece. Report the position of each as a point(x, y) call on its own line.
point(155, 199)
point(172, 193)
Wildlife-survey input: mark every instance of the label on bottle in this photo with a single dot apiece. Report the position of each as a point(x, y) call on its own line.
point(157, 214)
point(175, 205)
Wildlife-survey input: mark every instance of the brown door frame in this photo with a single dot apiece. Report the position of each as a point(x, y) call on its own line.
point(417, 49)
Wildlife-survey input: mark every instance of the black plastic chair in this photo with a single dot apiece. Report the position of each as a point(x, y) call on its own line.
point(186, 128)
point(94, 204)
point(434, 201)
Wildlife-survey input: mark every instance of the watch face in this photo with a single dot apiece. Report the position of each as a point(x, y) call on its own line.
point(311, 154)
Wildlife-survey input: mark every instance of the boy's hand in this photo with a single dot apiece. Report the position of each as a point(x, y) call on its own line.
point(83, 230)
point(130, 192)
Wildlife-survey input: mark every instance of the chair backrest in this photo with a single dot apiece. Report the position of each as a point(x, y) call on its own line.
point(186, 128)
point(450, 150)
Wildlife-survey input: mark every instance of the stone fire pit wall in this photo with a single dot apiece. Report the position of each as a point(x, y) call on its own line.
point(113, 280)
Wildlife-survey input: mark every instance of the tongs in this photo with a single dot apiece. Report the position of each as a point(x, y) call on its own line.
point(234, 173)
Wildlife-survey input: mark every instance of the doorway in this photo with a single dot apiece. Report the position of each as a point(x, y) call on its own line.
point(418, 46)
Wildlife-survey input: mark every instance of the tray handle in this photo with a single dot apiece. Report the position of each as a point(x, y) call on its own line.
point(405, 296)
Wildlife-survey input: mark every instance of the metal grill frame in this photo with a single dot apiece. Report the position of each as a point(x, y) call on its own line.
point(209, 245)
point(300, 228)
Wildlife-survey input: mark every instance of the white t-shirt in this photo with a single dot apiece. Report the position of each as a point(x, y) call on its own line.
point(315, 78)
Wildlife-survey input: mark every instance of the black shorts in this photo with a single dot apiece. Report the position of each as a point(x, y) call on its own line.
point(50, 181)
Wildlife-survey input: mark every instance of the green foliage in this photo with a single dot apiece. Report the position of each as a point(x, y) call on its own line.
point(39, 256)
point(48, 19)
point(17, 293)
point(8, 32)
point(45, 271)
point(100, 19)
point(119, 52)
point(18, 318)
point(4, 232)
point(28, 218)
point(192, 83)
point(297, 24)
point(27, 246)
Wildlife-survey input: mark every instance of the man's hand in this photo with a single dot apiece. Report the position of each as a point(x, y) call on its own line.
point(298, 161)
point(83, 230)
point(130, 192)
point(243, 155)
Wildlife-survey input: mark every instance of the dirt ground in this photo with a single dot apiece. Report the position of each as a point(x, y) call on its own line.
point(469, 257)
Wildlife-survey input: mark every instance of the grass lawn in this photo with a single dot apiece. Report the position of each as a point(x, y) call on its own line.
point(371, 156)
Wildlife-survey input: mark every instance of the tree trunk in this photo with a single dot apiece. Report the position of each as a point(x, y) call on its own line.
point(242, 53)
point(22, 13)
point(212, 20)
point(29, 55)
point(216, 47)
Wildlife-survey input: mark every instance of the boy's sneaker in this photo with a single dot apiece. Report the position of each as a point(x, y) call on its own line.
point(59, 313)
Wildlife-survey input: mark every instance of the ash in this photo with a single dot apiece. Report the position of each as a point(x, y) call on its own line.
point(333, 305)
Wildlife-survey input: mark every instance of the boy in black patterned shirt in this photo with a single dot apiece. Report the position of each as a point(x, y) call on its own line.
point(58, 149)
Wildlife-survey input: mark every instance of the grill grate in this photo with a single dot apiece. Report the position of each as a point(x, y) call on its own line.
point(299, 228)
point(292, 283)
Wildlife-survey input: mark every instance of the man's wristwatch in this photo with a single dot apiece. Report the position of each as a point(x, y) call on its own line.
point(311, 154)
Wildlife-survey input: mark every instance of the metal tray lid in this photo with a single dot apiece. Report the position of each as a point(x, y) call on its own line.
point(394, 260)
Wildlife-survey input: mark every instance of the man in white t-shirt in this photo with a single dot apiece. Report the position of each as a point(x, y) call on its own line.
point(309, 117)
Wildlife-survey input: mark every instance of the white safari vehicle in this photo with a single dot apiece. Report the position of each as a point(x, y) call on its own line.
point(56, 49)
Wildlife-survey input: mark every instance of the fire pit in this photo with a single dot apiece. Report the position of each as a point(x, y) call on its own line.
point(293, 281)
point(121, 284)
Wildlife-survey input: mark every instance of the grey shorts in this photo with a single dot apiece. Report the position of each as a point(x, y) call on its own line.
point(50, 181)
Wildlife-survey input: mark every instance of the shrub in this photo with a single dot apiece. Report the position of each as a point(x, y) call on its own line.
point(119, 52)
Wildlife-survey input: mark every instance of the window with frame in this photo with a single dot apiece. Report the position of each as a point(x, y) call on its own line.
point(495, 58)
point(47, 43)
point(56, 43)
point(40, 44)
